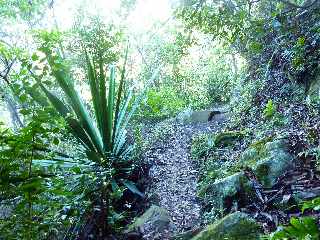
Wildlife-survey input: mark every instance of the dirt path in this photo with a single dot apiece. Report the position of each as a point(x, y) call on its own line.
point(174, 176)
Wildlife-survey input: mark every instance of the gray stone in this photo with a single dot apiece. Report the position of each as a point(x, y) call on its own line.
point(155, 219)
point(227, 138)
point(268, 160)
point(314, 89)
point(200, 116)
point(225, 188)
point(277, 161)
point(235, 226)
point(308, 194)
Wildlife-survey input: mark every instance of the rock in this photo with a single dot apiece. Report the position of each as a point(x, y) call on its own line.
point(224, 192)
point(314, 89)
point(235, 226)
point(269, 160)
point(200, 116)
point(204, 143)
point(189, 116)
point(188, 234)
point(308, 194)
point(155, 219)
point(278, 160)
point(227, 138)
point(184, 116)
point(249, 158)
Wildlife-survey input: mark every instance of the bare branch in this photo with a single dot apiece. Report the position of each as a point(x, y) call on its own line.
point(291, 4)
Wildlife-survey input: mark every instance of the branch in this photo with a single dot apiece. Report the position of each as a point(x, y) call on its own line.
point(291, 4)
point(4, 74)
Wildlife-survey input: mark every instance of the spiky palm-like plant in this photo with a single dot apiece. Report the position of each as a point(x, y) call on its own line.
point(104, 135)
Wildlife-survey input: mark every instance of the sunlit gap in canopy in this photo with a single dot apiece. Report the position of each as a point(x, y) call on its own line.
point(141, 18)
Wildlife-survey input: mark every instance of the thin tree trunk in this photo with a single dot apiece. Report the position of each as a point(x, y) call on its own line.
point(12, 108)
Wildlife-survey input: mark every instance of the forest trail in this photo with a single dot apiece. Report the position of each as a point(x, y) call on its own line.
point(174, 175)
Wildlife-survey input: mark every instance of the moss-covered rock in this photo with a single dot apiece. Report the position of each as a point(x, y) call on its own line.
point(188, 234)
point(222, 193)
point(269, 160)
point(227, 138)
point(204, 143)
point(155, 219)
point(278, 161)
point(235, 226)
point(314, 89)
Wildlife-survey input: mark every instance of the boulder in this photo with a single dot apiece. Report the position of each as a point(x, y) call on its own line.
point(223, 192)
point(227, 138)
point(235, 226)
point(200, 116)
point(155, 219)
point(314, 89)
point(268, 160)
point(277, 161)
point(187, 235)
point(306, 195)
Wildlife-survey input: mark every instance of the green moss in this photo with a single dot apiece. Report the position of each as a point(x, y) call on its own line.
point(156, 216)
point(217, 191)
point(260, 145)
point(212, 166)
point(227, 138)
point(235, 226)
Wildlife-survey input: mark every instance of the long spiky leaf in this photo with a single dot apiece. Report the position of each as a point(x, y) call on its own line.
point(62, 76)
point(104, 106)
point(120, 90)
point(110, 107)
point(94, 88)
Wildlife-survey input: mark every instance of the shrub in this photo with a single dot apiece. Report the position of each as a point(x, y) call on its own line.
point(103, 136)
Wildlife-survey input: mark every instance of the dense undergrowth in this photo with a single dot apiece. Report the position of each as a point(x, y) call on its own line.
point(81, 98)
point(279, 98)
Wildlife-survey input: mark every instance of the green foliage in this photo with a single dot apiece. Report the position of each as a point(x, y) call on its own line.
point(161, 103)
point(100, 129)
point(301, 229)
point(196, 73)
point(298, 52)
point(24, 8)
point(99, 39)
point(269, 110)
point(313, 204)
point(202, 145)
point(110, 112)
point(254, 30)
point(37, 194)
point(205, 149)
